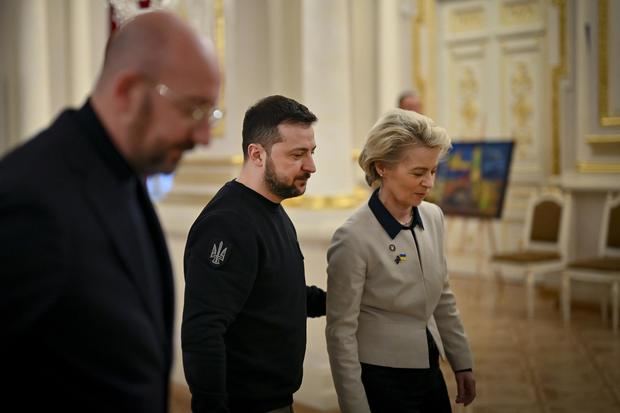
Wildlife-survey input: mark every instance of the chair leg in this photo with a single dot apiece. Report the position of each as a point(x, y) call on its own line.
point(529, 294)
point(614, 307)
point(566, 298)
point(497, 289)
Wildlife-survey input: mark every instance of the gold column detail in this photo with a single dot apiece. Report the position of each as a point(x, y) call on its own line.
point(557, 73)
point(352, 200)
point(468, 86)
point(219, 35)
point(519, 13)
point(418, 22)
point(603, 139)
point(424, 18)
point(606, 118)
point(598, 168)
point(522, 110)
point(467, 20)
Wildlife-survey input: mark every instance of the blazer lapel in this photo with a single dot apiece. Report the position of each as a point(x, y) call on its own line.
point(429, 263)
point(425, 247)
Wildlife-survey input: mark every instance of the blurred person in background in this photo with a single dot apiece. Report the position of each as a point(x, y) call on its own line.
point(410, 100)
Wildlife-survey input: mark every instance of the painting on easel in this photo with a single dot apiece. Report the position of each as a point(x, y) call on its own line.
point(472, 178)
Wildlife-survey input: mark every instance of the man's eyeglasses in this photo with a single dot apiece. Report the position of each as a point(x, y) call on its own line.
point(197, 112)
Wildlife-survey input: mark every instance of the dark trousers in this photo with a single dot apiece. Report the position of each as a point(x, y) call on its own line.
point(396, 390)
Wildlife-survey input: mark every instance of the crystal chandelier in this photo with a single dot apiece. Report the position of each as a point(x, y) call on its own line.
point(124, 10)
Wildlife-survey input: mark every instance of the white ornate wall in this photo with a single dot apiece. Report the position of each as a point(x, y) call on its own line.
point(51, 51)
point(493, 84)
point(525, 70)
point(590, 115)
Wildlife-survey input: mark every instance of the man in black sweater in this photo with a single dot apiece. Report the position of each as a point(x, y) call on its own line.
point(246, 300)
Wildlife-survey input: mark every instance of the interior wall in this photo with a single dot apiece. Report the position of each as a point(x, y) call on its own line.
point(50, 51)
point(9, 131)
point(527, 71)
point(285, 48)
point(492, 82)
point(364, 92)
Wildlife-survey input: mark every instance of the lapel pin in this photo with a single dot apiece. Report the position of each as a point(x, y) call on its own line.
point(400, 257)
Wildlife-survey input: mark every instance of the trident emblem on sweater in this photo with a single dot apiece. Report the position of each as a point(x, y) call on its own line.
point(218, 253)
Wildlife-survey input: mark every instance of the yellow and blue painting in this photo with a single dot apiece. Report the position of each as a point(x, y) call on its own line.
point(471, 180)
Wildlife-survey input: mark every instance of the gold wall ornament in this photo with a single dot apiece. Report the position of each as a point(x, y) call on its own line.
point(219, 38)
point(418, 22)
point(424, 19)
point(520, 13)
point(352, 200)
point(602, 139)
point(201, 178)
point(468, 19)
point(468, 90)
point(606, 118)
point(522, 109)
point(558, 73)
point(598, 167)
point(233, 160)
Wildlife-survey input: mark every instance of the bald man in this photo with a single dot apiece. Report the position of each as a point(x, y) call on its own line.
point(86, 294)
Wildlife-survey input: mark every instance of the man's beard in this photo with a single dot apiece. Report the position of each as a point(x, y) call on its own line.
point(279, 188)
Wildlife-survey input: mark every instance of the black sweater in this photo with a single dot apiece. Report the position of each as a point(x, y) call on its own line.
point(246, 303)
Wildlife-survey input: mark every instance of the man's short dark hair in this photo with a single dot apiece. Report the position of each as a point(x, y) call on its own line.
point(260, 124)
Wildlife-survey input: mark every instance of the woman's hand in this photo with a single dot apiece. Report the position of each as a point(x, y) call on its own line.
point(466, 387)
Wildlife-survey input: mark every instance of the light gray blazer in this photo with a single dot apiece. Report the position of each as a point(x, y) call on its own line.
point(378, 310)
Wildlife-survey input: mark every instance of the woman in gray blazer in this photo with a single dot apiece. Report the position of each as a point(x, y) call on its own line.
point(390, 310)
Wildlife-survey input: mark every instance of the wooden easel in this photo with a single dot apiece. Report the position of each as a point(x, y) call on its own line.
point(484, 231)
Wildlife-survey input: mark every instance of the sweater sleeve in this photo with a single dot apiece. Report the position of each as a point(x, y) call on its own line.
point(315, 301)
point(220, 269)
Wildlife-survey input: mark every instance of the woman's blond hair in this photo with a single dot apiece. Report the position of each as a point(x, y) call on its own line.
point(396, 131)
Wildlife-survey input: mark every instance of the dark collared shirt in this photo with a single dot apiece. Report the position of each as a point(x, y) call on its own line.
point(387, 221)
point(391, 224)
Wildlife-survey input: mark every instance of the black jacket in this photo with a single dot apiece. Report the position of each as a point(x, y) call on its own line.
point(86, 319)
